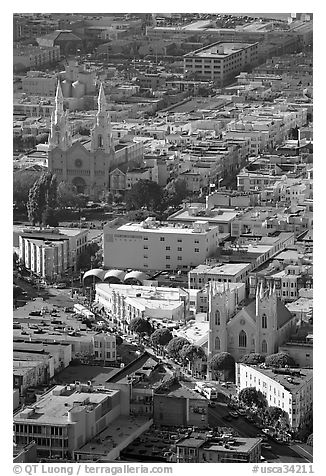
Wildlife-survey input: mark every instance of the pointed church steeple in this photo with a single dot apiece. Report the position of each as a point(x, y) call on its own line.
point(60, 135)
point(101, 132)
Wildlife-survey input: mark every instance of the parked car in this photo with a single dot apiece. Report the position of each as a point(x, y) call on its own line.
point(35, 313)
point(234, 415)
point(266, 446)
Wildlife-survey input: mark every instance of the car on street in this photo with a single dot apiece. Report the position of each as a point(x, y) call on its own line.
point(266, 446)
point(35, 313)
point(234, 415)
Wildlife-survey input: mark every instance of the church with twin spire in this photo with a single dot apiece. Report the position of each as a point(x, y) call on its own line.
point(87, 163)
point(260, 326)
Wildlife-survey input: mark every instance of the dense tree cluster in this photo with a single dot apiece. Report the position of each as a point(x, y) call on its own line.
point(222, 361)
point(42, 198)
point(251, 397)
point(252, 359)
point(281, 359)
point(191, 353)
point(140, 325)
point(175, 346)
point(161, 336)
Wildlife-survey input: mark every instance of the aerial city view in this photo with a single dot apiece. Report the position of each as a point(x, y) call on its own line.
point(162, 234)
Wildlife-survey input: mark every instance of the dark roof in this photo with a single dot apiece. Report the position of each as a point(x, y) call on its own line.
point(61, 35)
point(282, 312)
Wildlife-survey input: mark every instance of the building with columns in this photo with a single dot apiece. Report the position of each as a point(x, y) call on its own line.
point(261, 326)
point(87, 164)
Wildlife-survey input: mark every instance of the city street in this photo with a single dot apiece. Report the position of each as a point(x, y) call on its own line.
point(280, 453)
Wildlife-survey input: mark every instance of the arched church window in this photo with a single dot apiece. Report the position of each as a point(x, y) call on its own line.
point(100, 141)
point(264, 347)
point(242, 339)
point(217, 318)
point(217, 343)
point(264, 321)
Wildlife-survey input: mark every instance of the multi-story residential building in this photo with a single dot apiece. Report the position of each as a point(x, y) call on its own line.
point(51, 252)
point(27, 57)
point(152, 245)
point(105, 347)
point(39, 84)
point(290, 390)
point(221, 272)
point(221, 61)
point(197, 449)
point(66, 418)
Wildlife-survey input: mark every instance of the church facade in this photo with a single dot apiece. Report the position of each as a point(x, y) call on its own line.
point(87, 164)
point(261, 326)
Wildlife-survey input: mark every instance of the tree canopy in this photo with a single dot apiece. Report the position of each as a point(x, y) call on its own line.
point(42, 195)
point(161, 336)
point(252, 359)
point(175, 192)
point(144, 193)
point(22, 182)
point(280, 359)
point(140, 325)
point(191, 353)
point(222, 361)
point(250, 396)
point(175, 345)
point(275, 413)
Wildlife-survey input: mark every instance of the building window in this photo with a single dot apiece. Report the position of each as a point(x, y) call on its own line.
point(179, 249)
point(242, 339)
point(217, 343)
point(264, 347)
point(196, 250)
point(168, 248)
point(264, 321)
point(162, 238)
point(217, 318)
point(168, 257)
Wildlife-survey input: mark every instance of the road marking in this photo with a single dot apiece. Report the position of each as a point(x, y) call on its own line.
point(305, 451)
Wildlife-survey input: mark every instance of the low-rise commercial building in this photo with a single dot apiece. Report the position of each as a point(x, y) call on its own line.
point(218, 450)
point(290, 390)
point(125, 302)
point(66, 418)
point(221, 272)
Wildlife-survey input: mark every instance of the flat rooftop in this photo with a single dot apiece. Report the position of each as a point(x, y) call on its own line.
point(120, 430)
point(211, 51)
point(292, 385)
point(215, 215)
point(166, 229)
point(230, 269)
point(194, 332)
point(53, 409)
point(182, 391)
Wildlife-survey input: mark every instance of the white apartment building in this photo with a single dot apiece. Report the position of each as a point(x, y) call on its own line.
point(125, 302)
point(51, 252)
point(221, 272)
point(105, 346)
point(290, 390)
point(151, 245)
